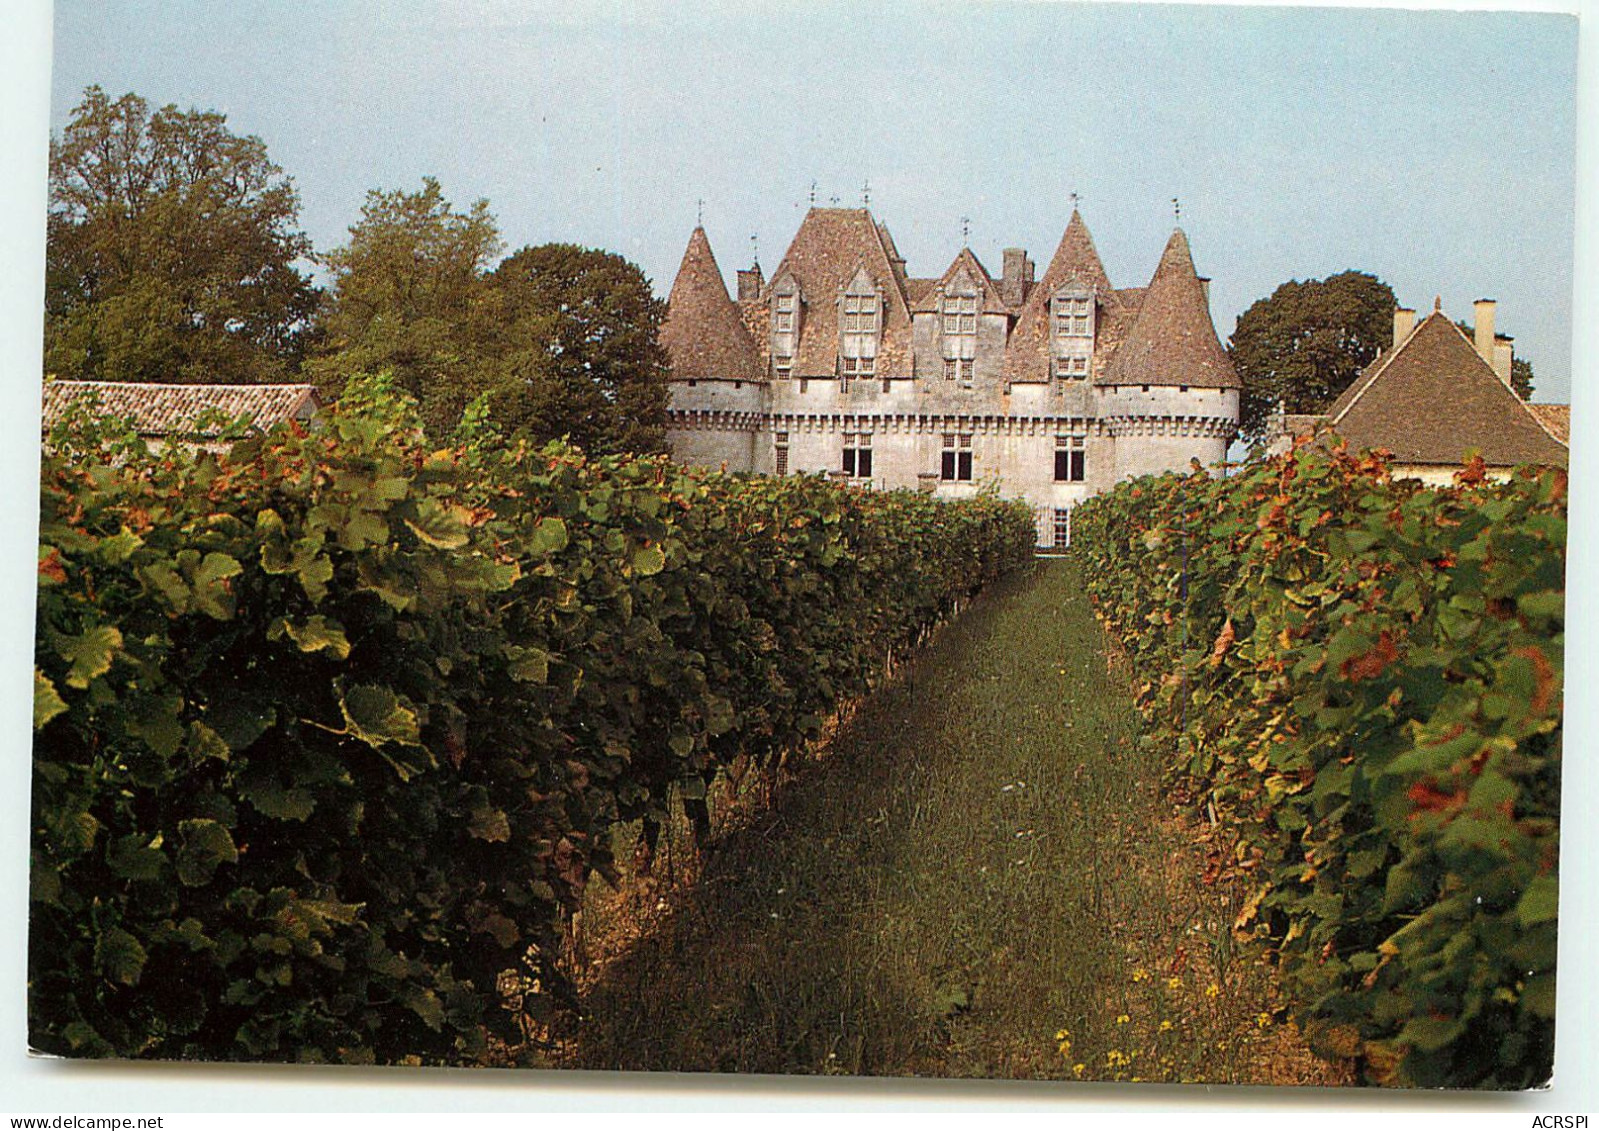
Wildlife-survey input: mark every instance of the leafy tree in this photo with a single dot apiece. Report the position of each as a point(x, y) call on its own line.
point(1521, 376)
point(172, 253)
point(408, 297)
point(1307, 342)
point(579, 350)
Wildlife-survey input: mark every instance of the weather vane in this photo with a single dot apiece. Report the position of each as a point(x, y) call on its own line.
point(1075, 199)
point(966, 229)
point(866, 193)
point(813, 194)
point(699, 212)
point(1177, 209)
point(833, 200)
point(755, 249)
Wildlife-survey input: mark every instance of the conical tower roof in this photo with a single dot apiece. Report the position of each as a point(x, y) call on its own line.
point(1172, 341)
point(703, 332)
point(1075, 261)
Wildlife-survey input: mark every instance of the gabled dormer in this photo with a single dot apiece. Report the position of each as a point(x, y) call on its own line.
point(860, 324)
point(787, 310)
point(1073, 313)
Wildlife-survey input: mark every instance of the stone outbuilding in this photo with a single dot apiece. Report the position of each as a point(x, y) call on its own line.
point(1436, 398)
point(164, 414)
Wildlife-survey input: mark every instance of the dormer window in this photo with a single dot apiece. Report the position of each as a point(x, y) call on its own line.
point(960, 335)
point(859, 320)
point(785, 326)
point(1072, 333)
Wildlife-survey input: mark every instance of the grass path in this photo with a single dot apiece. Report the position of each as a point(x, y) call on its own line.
point(981, 862)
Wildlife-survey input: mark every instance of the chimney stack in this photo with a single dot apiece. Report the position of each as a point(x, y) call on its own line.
point(1404, 322)
point(750, 283)
point(1204, 285)
point(1483, 310)
point(1504, 354)
point(1017, 274)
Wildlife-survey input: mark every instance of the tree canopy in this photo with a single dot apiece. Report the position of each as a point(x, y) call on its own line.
point(1305, 344)
point(172, 250)
point(557, 340)
point(579, 349)
point(407, 297)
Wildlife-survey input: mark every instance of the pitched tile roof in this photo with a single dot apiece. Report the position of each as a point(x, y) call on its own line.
point(830, 246)
point(1433, 399)
point(1556, 420)
point(927, 300)
point(1173, 341)
point(1075, 260)
point(172, 410)
point(703, 332)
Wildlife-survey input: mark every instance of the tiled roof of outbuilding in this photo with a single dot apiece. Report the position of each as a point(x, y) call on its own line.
point(1556, 420)
point(1434, 399)
point(703, 332)
point(1172, 341)
point(1075, 259)
point(172, 410)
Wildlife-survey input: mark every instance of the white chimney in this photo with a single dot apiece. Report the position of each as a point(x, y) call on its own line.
point(1484, 329)
point(1404, 322)
point(1504, 353)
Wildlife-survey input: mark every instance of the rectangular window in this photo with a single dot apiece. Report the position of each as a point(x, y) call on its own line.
point(783, 315)
point(1062, 527)
point(858, 366)
point(784, 369)
point(951, 367)
point(966, 370)
point(956, 463)
point(782, 459)
point(858, 455)
point(1070, 462)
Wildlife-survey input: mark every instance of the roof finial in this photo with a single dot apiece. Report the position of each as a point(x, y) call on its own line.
point(1177, 209)
point(1437, 303)
point(699, 213)
point(833, 200)
point(1075, 200)
point(866, 193)
point(813, 194)
point(966, 230)
point(755, 249)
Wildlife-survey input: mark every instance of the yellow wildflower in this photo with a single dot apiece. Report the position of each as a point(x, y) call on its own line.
point(1165, 1026)
point(1123, 1019)
point(1174, 983)
point(1077, 1069)
point(1212, 990)
point(1263, 1020)
point(1140, 975)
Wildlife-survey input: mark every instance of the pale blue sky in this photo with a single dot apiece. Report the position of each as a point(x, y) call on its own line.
point(1434, 149)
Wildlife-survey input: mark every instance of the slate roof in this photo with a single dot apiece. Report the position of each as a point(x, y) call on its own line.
point(172, 410)
point(703, 332)
point(830, 246)
point(1172, 341)
point(1075, 260)
point(927, 301)
point(1433, 399)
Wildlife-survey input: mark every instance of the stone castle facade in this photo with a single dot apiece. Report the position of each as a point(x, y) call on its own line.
point(1049, 389)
